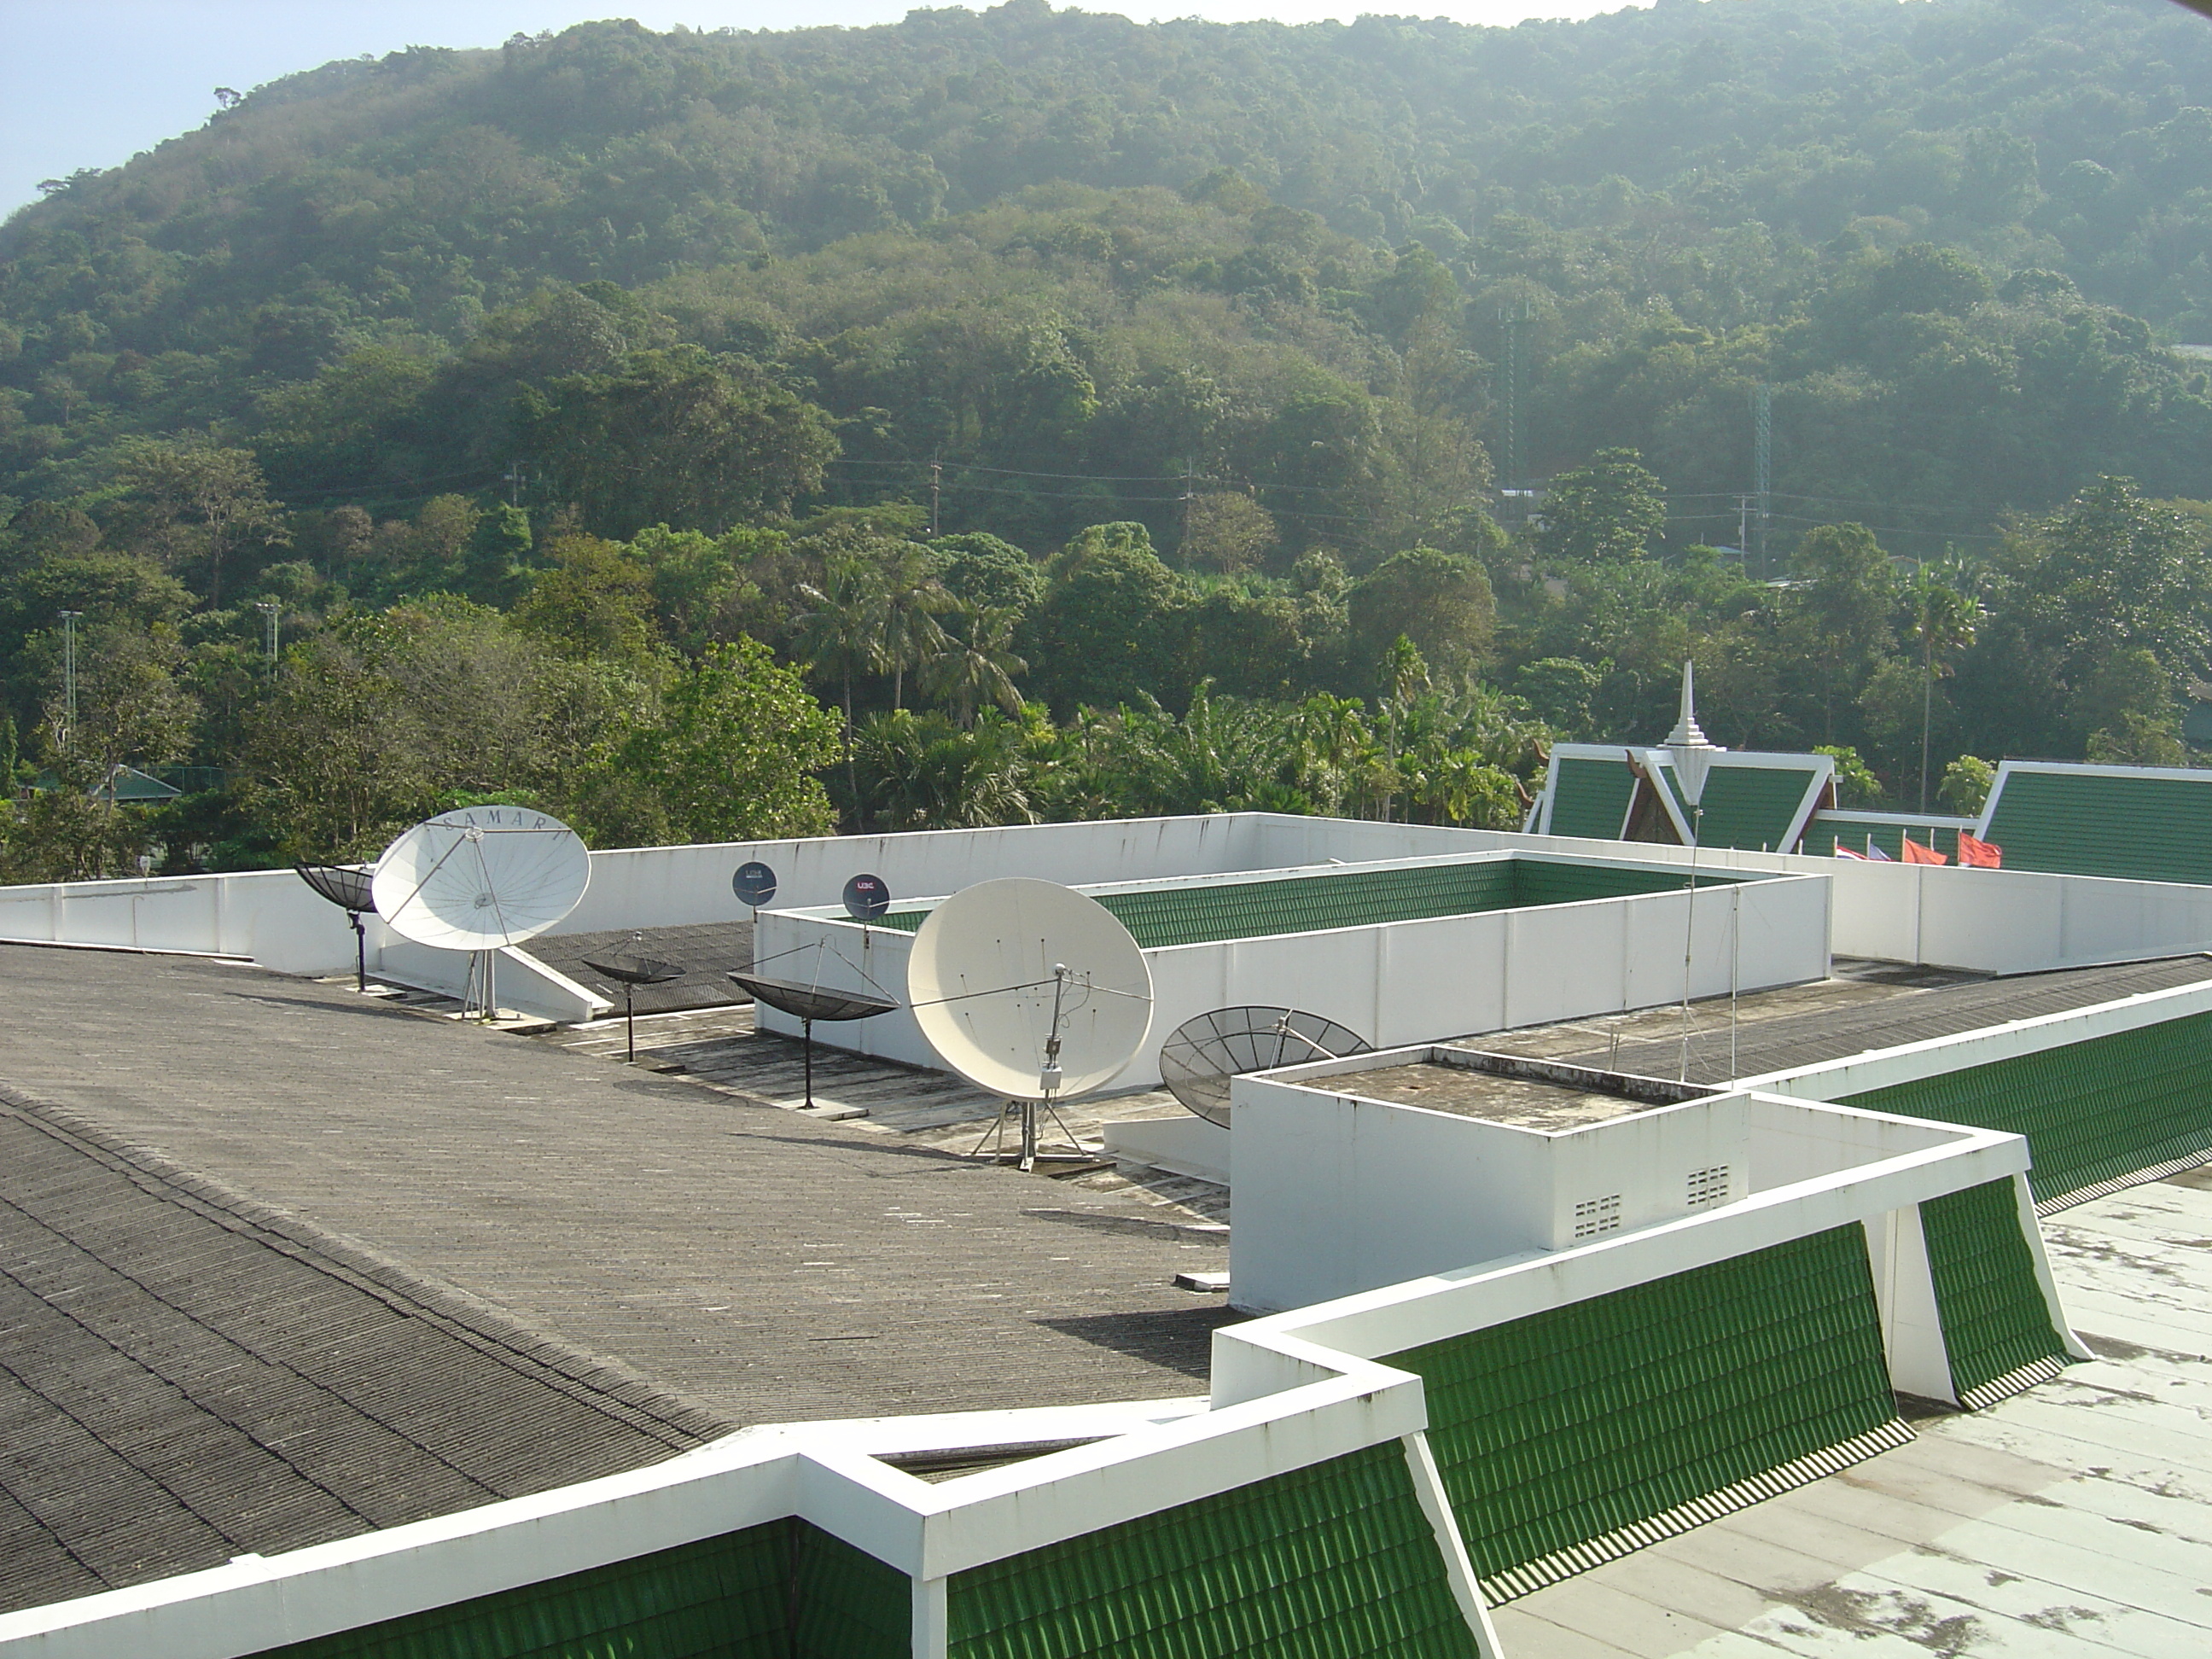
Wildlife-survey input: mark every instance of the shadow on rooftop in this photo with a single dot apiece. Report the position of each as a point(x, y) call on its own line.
point(1176, 1340)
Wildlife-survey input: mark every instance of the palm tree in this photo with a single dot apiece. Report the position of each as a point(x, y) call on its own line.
point(912, 597)
point(1945, 619)
point(974, 663)
point(1332, 735)
point(1404, 673)
point(842, 635)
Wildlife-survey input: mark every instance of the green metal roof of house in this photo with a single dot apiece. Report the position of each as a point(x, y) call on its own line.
point(1590, 796)
point(2141, 823)
point(1887, 831)
point(1757, 808)
point(1754, 803)
point(1203, 913)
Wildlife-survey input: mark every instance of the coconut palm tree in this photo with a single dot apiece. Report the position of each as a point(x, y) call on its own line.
point(974, 663)
point(843, 635)
point(1945, 617)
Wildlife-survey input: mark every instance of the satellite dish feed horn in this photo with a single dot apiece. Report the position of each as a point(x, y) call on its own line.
point(480, 879)
point(1203, 1054)
point(1030, 991)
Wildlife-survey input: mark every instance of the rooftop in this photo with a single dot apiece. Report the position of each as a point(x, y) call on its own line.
point(772, 1267)
point(1866, 1006)
point(1552, 1099)
point(190, 1375)
point(2076, 1518)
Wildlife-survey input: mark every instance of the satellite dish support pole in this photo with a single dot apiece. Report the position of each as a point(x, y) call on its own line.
point(360, 951)
point(806, 1051)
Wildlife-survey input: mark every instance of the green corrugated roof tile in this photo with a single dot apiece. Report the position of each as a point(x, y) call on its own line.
point(1995, 1319)
point(1560, 1428)
point(2092, 1111)
point(1752, 807)
point(722, 1598)
point(1590, 796)
point(2142, 827)
point(1333, 1558)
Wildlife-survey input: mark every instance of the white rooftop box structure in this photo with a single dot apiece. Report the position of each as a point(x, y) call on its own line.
point(1399, 950)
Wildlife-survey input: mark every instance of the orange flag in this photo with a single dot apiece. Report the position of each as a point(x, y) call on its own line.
point(1916, 854)
point(1980, 853)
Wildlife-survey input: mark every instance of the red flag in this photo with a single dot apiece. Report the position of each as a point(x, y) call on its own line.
point(1843, 852)
point(1979, 853)
point(1916, 854)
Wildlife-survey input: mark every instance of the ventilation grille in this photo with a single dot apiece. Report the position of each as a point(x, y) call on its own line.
point(1594, 1216)
point(1708, 1187)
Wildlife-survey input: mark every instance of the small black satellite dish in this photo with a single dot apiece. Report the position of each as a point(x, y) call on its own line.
point(630, 970)
point(808, 1003)
point(754, 883)
point(867, 897)
point(1202, 1055)
point(349, 889)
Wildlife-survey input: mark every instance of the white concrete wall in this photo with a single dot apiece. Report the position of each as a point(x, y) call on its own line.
point(1337, 1194)
point(1394, 983)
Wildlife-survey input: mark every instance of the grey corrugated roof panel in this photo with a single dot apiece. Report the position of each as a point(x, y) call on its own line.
point(1787, 1042)
point(182, 1386)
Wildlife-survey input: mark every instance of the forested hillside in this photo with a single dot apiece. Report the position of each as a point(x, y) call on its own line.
point(1134, 400)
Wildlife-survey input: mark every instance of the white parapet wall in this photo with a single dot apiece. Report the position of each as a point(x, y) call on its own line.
point(1392, 982)
point(1339, 1191)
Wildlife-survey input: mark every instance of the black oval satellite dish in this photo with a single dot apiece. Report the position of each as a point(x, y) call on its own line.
point(867, 897)
point(754, 884)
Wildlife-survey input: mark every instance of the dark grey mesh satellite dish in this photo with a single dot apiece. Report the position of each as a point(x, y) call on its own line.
point(629, 969)
point(754, 884)
point(1202, 1055)
point(808, 1003)
point(867, 897)
point(349, 889)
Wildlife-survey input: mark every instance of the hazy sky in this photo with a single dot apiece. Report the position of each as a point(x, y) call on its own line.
point(91, 82)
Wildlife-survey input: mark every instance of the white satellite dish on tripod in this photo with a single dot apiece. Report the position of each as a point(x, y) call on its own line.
point(1030, 991)
point(478, 879)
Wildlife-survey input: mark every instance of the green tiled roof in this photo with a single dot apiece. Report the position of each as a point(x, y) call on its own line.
point(1752, 807)
point(1589, 798)
point(722, 1598)
point(1336, 1558)
point(1825, 832)
point(2092, 1111)
point(1569, 1425)
point(1200, 914)
point(1995, 1322)
point(2144, 827)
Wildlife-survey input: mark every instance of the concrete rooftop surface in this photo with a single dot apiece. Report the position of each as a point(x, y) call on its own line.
point(770, 1267)
point(2071, 1522)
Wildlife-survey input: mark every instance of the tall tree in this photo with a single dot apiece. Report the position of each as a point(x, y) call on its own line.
point(197, 501)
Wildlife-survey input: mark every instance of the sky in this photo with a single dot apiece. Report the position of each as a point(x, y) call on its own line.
point(89, 83)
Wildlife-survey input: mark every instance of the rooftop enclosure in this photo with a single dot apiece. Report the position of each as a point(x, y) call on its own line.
point(1417, 950)
point(1364, 1171)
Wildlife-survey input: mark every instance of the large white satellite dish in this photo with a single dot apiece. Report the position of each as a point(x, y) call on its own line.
point(1029, 990)
point(481, 877)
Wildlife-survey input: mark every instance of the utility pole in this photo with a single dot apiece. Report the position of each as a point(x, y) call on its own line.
point(936, 479)
point(270, 622)
point(1182, 538)
point(1743, 531)
point(1509, 393)
point(514, 483)
point(69, 675)
point(1762, 418)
